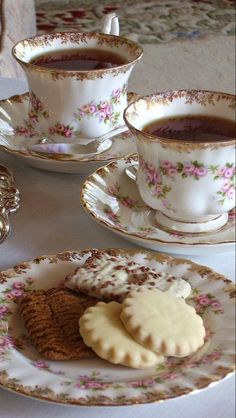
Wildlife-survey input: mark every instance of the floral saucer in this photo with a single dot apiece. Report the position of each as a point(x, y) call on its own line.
point(95, 381)
point(16, 135)
point(113, 200)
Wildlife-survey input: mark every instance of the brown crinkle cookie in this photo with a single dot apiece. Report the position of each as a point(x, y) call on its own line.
point(51, 319)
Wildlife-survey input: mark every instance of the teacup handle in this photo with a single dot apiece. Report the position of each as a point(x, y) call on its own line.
point(110, 24)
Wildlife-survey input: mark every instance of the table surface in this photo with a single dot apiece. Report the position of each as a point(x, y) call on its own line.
point(51, 220)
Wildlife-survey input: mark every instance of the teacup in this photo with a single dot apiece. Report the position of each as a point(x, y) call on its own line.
point(191, 184)
point(67, 103)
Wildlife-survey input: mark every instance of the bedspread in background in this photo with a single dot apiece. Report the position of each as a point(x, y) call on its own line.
point(17, 22)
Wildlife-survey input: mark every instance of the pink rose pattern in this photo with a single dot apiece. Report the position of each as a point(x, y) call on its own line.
point(6, 343)
point(205, 302)
point(103, 110)
point(62, 130)
point(36, 112)
point(43, 365)
point(113, 217)
point(155, 181)
point(93, 381)
point(192, 169)
point(127, 201)
point(227, 175)
point(15, 291)
point(173, 367)
point(9, 294)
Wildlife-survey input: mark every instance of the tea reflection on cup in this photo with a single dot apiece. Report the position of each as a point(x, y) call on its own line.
point(67, 101)
point(190, 180)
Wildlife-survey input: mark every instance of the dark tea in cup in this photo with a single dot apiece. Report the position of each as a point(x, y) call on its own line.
point(192, 128)
point(81, 59)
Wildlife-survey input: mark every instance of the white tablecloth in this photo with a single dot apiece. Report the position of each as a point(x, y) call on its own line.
point(51, 220)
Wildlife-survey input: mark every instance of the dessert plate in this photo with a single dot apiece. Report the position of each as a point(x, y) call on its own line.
point(16, 134)
point(113, 200)
point(96, 382)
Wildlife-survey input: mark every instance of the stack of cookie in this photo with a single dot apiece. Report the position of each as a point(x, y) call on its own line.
point(143, 315)
point(148, 325)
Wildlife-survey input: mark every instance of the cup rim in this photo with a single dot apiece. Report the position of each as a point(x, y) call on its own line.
point(53, 35)
point(155, 138)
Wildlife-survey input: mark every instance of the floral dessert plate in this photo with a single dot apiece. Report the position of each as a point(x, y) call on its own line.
point(113, 200)
point(95, 381)
point(17, 132)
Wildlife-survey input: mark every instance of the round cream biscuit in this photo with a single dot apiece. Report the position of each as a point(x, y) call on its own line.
point(162, 323)
point(103, 331)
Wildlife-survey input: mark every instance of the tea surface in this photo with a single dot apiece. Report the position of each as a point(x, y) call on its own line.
point(193, 128)
point(79, 60)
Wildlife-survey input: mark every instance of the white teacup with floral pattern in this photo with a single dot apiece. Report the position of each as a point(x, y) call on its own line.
point(190, 184)
point(87, 103)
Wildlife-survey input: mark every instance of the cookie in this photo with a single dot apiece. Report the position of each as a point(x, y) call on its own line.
point(103, 331)
point(51, 319)
point(110, 277)
point(162, 323)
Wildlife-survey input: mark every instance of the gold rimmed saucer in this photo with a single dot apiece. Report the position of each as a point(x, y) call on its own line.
point(15, 137)
point(95, 382)
point(113, 200)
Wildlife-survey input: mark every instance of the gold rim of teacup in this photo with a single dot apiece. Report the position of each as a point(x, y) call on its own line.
point(165, 97)
point(76, 38)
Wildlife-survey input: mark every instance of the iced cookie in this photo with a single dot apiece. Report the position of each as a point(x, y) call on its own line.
point(162, 323)
point(102, 330)
point(111, 277)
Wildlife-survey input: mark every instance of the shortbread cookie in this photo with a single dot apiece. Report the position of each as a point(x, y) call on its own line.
point(103, 331)
point(51, 319)
point(162, 323)
point(111, 277)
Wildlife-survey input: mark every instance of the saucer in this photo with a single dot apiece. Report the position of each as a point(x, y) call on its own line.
point(95, 382)
point(15, 136)
point(113, 200)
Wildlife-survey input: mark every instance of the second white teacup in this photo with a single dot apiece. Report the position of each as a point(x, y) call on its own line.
point(190, 183)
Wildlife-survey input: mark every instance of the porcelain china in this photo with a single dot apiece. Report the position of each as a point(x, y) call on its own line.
point(95, 381)
point(190, 183)
point(15, 137)
point(113, 200)
point(72, 102)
